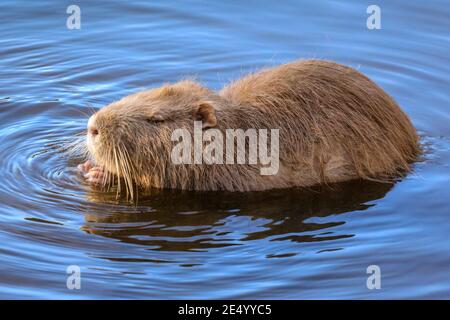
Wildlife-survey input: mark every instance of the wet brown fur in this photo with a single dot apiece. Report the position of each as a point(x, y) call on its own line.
point(335, 125)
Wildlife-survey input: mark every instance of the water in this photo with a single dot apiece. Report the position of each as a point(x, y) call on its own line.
point(279, 244)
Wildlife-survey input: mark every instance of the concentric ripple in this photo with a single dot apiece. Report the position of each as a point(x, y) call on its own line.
point(31, 159)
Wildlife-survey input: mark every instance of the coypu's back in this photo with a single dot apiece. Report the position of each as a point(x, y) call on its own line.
point(322, 107)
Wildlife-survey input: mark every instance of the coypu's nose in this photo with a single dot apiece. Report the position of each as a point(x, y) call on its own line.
point(93, 131)
point(92, 128)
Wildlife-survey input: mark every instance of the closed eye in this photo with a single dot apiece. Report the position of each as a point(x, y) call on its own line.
point(154, 120)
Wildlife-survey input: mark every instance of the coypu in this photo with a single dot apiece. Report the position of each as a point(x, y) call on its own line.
point(334, 123)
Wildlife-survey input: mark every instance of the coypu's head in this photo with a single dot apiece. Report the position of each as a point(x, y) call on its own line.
point(131, 138)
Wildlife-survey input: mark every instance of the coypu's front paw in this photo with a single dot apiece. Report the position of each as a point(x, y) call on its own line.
point(93, 174)
point(85, 167)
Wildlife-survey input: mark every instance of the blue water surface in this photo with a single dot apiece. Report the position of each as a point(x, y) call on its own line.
point(286, 244)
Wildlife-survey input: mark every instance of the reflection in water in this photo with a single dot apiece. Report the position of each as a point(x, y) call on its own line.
point(182, 221)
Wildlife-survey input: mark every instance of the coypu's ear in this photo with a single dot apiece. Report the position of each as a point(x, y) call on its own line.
point(206, 113)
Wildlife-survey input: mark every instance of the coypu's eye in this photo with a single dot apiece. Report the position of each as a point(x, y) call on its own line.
point(153, 121)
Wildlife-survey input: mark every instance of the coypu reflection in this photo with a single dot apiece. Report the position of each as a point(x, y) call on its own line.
point(179, 221)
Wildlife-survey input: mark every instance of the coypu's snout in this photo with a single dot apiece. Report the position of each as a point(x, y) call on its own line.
point(92, 133)
point(104, 136)
point(92, 129)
